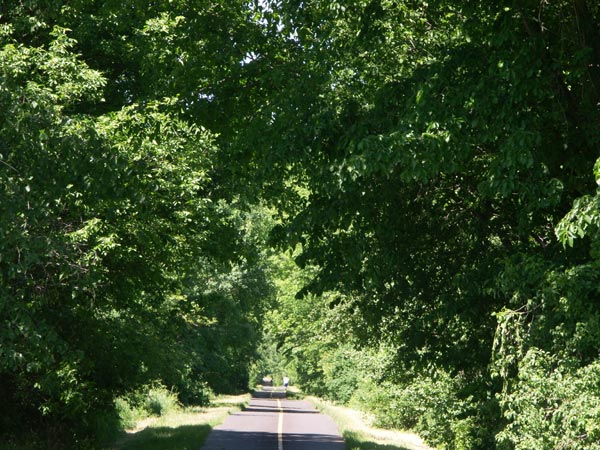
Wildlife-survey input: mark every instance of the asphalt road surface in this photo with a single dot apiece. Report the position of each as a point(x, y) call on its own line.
point(271, 422)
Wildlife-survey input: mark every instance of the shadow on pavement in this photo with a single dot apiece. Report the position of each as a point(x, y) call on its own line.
point(225, 439)
point(185, 437)
point(269, 394)
point(276, 410)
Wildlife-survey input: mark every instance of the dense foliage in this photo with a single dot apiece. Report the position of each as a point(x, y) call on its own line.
point(440, 147)
point(430, 167)
point(123, 261)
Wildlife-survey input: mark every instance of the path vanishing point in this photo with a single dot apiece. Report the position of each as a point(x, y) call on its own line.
point(272, 422)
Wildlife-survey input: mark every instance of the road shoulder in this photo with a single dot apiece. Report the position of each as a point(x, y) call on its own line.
point(359, 434)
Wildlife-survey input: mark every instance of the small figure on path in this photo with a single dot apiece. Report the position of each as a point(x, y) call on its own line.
point(286, 382)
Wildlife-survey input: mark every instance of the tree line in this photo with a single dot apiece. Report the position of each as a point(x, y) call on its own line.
point(401, 194)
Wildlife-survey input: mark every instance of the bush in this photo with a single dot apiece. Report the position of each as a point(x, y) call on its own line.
point(154, 399)
point(197, 393)
point(464, 434)
point(390, 404)
point(128, 415)
point(192, 388)
point(550, 407)
point(342, 374)
point(432, 406)
point(159, 400)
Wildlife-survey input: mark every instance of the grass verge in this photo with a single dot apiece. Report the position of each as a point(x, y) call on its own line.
point(182, 429)
point(293, 393)
point(360, 435)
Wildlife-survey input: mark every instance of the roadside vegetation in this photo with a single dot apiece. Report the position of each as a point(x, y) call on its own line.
point(360, 434)
point(177, 427)
point(394, 203)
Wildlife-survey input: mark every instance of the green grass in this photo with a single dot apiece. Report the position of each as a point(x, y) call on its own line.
point(181, 429)
point(359, 435)
point(358, 441)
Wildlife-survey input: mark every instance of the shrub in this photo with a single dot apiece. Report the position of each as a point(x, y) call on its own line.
point(550, 407)
point(192, 388)
point(431, 406)
point(159, 400)
point(128, 415)
point(197, 393)
point(393, 406)
point(342, 374)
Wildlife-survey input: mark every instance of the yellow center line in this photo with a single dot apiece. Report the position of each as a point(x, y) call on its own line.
point(280, 427)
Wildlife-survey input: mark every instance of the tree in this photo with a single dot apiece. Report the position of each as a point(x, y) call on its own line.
point(439, 144)
point(112, 222)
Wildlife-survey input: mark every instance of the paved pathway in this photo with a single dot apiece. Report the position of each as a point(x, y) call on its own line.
point(271, 422)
